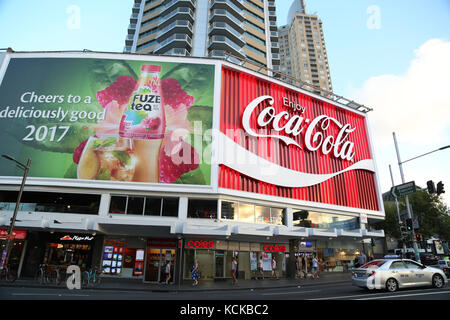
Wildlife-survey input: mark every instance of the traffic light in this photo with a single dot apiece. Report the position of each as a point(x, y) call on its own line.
point(418, 237)
point(431, 187)
point(440, 188)
point(409, 224)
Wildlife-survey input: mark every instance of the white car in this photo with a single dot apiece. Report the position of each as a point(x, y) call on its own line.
point(394, 274)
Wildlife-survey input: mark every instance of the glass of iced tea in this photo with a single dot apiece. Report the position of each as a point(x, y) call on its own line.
point(107, 158)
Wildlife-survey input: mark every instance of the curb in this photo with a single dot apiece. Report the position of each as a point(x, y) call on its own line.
point(176, 289)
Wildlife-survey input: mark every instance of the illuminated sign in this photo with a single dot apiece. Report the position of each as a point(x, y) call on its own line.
point(275, 248)
point(200, 244)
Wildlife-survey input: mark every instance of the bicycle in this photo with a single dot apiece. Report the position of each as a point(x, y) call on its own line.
point(91, 277)
point(7, 274)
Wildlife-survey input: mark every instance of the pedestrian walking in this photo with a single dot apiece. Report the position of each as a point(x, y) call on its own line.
point(362, 259)
point(300, 267)
point(167, 270)
point(274, 268)
point(315, 267)
point(195, 273)
point(234, 266)
point(260, 267)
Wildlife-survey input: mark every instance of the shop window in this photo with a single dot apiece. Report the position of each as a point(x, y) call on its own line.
point(170, 207)
point(276, 216)
point(229, 210)
point(118, 204)
point(51, 202)
point(262, 214)
point(135, 205)
point(320, 220)
point(149, 206)
point(203, 209)
point(246, 212)
point(152, 206)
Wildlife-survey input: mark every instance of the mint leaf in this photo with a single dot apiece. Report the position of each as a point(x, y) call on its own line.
point(122, 156)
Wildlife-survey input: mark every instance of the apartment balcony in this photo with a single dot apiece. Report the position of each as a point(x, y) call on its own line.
point(223, 43)
point(274, 35)
point(127, 49)
point(230, 6)
point(134, 18)
point(222, 15)
point(136, 8)
point(172, 5)
point(272, 15)
point(272, 5)
point(177, 52)
point(275, 47)
point(273, 26)
point(222, 54)
point(224, 29)
point(178, 26)
point(129, 40)
point(177, 40)
point(276, 60)
point(132, 28)
point(177, 14)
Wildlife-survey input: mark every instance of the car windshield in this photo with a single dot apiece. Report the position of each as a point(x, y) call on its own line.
point(373, 264)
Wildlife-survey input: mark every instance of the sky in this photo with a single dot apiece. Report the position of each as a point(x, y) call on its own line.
point(392, 56)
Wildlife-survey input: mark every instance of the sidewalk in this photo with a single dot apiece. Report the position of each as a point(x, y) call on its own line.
point(205, 285)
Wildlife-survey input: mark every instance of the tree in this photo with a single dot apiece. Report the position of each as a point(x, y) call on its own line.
point(432, 214)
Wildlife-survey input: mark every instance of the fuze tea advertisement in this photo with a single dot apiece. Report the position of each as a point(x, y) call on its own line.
point(109, 120)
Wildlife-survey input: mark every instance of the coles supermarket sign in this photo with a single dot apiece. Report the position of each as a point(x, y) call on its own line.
point(286, 143)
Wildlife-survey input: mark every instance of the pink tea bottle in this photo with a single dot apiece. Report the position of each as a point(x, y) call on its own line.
point(144, 122)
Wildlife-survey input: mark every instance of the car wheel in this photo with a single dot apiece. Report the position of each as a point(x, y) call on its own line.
point(438, 281)
point(391, 285)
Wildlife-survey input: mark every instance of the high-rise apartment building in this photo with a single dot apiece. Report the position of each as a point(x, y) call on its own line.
point(302, 49)
point(233, 29)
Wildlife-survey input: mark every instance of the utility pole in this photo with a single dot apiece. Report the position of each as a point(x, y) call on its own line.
point(398, 211)
point(414, 240)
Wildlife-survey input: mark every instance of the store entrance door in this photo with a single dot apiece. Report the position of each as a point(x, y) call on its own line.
point(156, 264)
point(220, 264)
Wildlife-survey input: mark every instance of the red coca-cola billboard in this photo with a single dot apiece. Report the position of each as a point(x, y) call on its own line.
point(280, 141)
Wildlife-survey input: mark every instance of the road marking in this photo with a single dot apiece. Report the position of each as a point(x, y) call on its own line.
point(50, 294)
point(406, 295)
point(292, 292)
point(390, 295)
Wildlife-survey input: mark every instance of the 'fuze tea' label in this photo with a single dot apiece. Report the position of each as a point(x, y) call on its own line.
point(144, 117)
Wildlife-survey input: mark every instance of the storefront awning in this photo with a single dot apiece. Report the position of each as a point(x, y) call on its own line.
point(373, 234)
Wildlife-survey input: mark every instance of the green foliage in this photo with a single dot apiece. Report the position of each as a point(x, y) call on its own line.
point(431, 212)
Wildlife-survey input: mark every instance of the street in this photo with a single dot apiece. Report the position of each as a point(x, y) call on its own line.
point(325, 292)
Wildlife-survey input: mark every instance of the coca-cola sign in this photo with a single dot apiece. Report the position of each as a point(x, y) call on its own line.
point(314, 137)
point(281, 141)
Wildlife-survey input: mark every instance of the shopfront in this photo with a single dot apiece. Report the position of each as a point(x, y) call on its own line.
point(64, 249)
point(215, 256)
point(17, 248)
point(138, 258)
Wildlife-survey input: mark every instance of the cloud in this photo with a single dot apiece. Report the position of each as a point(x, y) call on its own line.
point(415, 105)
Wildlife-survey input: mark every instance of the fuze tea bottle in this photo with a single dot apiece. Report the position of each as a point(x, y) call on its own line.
point(144, 122)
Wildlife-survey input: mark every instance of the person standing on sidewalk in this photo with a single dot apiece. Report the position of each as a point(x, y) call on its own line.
point(234, 270)
point(315, 267)
point(300, 267)
point(167, 271)
point(274, 268)
point(260, 267)
point(195, 274)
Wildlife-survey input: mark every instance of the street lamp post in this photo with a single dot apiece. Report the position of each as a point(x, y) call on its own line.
point(414, 241)
point(10, 236)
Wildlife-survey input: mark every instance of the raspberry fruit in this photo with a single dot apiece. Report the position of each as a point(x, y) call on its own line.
point(174, 96)
point(78, 151)
point(119, 91)
point(169, 171)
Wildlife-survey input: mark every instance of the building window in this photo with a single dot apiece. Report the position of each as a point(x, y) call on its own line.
point(51, 202)
point(203, 209)
point(229, 210)
point(148, 206)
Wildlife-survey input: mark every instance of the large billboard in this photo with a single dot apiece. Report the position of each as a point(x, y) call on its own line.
point(107, 119)
point(284, 142)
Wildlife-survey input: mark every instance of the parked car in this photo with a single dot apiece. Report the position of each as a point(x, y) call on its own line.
point(394, 274)
point(444, 265)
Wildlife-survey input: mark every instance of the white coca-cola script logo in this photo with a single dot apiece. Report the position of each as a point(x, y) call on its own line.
point(313, 138)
